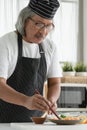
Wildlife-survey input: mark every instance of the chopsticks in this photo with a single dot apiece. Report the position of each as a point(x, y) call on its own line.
point(37, 92)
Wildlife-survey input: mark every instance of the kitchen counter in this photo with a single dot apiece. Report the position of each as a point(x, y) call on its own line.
point(45, 126)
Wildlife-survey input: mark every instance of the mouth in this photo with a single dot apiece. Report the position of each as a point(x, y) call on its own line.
point(40, 37)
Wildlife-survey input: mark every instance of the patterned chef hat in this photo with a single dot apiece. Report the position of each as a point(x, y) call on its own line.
point(44, 8)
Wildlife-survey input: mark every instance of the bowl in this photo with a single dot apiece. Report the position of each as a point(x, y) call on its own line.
point(38, 120)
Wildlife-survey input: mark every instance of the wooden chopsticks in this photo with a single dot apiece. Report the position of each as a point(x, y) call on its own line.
point(37, 92)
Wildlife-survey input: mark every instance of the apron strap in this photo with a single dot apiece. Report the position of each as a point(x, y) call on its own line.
point(19, 45)
point(41, 51)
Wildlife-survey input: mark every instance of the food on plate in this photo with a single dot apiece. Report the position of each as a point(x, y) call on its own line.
point(62, 116)
point(71, 118)
point(83, 118)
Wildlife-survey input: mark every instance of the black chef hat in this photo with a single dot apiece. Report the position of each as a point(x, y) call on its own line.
point(44, 8)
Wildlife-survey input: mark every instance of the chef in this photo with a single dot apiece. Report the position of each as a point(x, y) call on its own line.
point(28, 59)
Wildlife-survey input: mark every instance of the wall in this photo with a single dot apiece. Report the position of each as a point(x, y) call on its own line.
point(85, 30)
point(80, 33)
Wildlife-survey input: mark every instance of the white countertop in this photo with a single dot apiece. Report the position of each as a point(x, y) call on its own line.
point(45, 126)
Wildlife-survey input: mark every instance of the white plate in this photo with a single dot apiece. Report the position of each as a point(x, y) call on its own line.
point(65, 122)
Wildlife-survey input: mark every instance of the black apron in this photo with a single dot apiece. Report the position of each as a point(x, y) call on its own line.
point(29, 74)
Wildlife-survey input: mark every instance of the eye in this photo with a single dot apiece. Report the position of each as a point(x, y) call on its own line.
point(40, 25)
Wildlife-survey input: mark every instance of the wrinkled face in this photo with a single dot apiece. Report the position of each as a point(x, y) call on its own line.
point(37, 28)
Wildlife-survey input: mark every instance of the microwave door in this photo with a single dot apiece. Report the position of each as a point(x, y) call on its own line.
point(72, 97)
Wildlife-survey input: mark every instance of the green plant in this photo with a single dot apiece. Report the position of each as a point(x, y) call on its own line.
point(80, 67)
point(67, 66)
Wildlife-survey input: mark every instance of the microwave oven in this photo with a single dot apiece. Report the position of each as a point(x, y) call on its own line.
point(73, 97)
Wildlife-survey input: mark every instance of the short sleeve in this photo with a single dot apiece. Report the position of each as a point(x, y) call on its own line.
point(3, 59)
point(55, 69)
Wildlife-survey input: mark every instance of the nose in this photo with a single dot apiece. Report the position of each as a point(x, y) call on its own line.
point(44, 30)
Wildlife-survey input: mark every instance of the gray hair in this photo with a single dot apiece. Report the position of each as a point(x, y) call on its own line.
point(23, 16)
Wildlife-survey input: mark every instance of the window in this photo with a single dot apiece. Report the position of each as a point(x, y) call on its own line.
point(66, 32)
point(9, 10)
